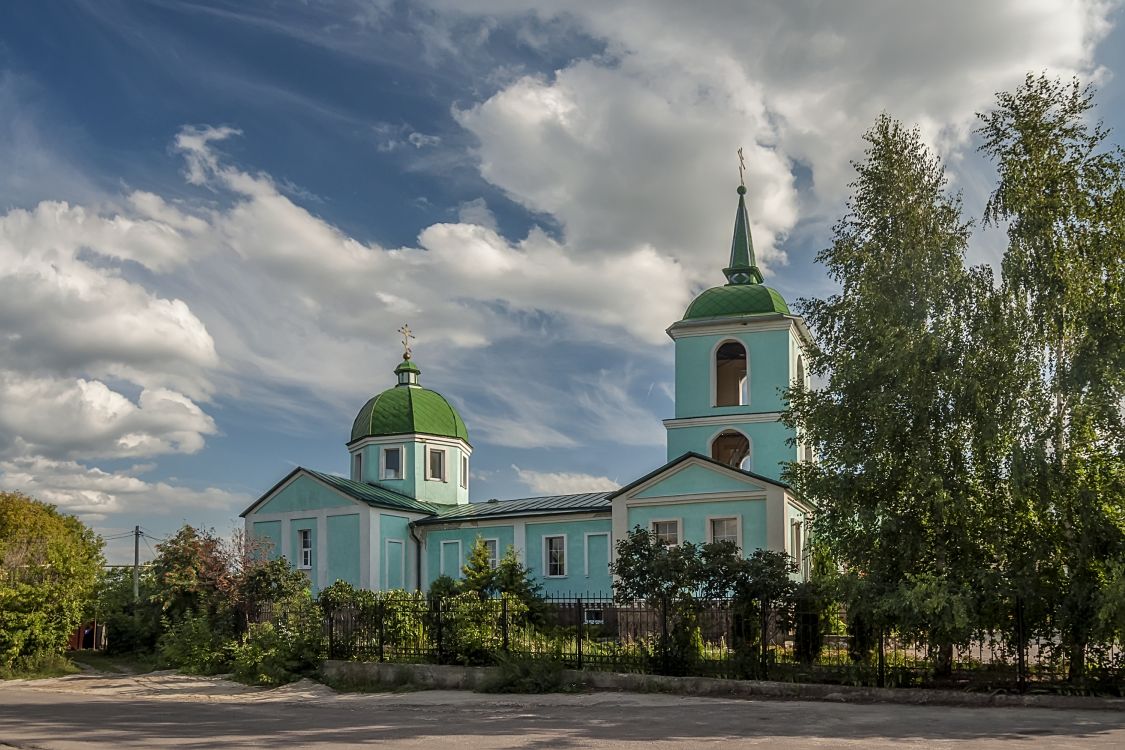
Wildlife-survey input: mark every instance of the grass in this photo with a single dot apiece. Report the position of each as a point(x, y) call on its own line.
point(38, 667)
point(401, 682)
point(115, 663)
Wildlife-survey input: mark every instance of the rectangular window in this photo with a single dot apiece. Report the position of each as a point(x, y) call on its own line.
point(725, 530)
point(595, 617)
point(493, 546)
point(304, 546)
point(392, 463)
point(464, 471)
point(357, 467)
point(554, 548)
point(667, 532)
point(797, 544)
point(435, 459)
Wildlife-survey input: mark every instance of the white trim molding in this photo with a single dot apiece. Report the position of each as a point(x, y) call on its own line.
point(723, 419)
point(386, 561)
point(441, 558)
point(586, 549)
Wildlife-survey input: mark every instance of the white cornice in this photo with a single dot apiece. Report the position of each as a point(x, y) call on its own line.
point(411, 437)
point(722, 419)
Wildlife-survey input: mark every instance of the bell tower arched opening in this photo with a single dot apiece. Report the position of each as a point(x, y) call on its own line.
point(731, 448)
point(732, 376)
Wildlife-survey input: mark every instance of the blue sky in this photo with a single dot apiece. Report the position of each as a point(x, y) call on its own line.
point(215, 215)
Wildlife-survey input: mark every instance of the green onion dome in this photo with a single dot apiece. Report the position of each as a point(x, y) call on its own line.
point(408, 408)
point(734, 300)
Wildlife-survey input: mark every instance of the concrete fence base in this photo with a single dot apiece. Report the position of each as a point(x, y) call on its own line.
point(438, 677)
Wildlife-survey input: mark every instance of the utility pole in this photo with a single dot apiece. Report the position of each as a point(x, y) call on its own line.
point(136, 563)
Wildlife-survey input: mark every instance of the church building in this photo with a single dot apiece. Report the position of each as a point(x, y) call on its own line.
point(403, 517)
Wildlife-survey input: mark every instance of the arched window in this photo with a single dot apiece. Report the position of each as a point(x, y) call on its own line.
point(732, 382)
point(731, 448)
point(801, 370)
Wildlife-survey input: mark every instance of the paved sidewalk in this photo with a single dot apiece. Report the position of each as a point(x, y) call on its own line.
point(172, 710)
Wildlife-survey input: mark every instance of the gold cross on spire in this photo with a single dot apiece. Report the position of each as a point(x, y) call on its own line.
point(407, 337)
point(741, 168)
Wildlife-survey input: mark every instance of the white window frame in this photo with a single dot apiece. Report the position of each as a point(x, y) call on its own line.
point(679, 528)
point(441, 559)
point(303, 551)
point(430, 450)
point(547, 556)
point(797, 535)
point(586, 550)
point(464, 471)
point(493, 562)
point(401, 461)
point(386, 561)
point(738, 528)
point(357, 466)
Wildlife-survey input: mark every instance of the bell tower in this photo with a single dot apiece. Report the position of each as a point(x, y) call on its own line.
point(737, 349)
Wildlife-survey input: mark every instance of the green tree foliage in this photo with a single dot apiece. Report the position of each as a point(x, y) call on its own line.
point(49, 564)
point(478, 575)
point(1061, 195)
point(894, 488)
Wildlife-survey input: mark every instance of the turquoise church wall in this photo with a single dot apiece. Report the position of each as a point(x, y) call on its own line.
point(769, 447)
point(578, 581)
point(343, 548)
point(414, 482)
point(395, 562)
point(295, 525)
point(467, 536)
point(269, 533)
point(696, 480)
point(305, 493)
point(693, 519)
point(768, 367)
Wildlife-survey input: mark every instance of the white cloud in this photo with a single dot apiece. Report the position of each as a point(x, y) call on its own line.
point(95, 494)
point(636, 145)
point(78, 417)
point(562, 483)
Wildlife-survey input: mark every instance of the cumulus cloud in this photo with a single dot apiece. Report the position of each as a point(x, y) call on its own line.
point(636, 143)
point(555, 483)
point(95, 494)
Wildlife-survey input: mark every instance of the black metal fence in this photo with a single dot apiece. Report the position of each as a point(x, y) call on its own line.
point(713, 640)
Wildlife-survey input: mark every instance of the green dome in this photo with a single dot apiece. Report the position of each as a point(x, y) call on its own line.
point(406, 409)
point(735, 300)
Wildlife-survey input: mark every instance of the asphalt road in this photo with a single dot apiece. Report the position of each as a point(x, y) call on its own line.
point(172, 711)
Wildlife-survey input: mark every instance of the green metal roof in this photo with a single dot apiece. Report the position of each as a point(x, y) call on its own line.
point(406, 409)
point(374, 495)
point(524, 506)
point(735, 300)
point(743, 268)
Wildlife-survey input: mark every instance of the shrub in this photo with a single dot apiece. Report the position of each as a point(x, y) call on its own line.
point(274, 654)
point(192, 645)
point(516, 674)
point(36, 666)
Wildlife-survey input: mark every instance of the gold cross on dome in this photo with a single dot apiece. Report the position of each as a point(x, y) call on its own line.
point(741, 168)
point(407, 337)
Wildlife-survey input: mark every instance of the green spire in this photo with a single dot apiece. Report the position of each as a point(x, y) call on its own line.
point(742, 269)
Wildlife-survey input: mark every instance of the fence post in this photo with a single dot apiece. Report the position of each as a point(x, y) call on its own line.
point(664, 634)
point(382, 631)
point(764, 627)
point(882, 681)
point(1021, 660)
point(504, 621)
point(328, 617)
point(437, 615)
point(581, 629)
